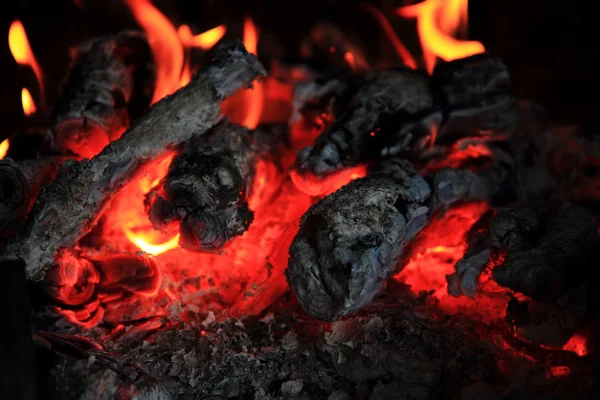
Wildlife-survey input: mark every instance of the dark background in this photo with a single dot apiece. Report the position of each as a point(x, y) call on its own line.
point(549, 46)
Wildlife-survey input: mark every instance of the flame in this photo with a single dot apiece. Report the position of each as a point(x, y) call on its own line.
point(22, 53)
point(437, 22)
point(255, 98)
point(577, 344)
point(4, 146)
point(389, 31)
point(205, 40)
point(154, 249)
point(322, 186)
point(29, 107)
point(349, 58)
point(166, 48)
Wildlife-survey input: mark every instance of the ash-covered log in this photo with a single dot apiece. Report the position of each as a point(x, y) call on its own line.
point(352, 241)
point(206, 189)
point(110, 82)
point(402, 111)
point(20, 183)
point(70, 206)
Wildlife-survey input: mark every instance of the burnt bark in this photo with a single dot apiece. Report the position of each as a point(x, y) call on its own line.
point(205, 189)
point(402, 111)
point(351, 242)
point(70, 206)
point(110, 81)
point(560, 258)
point(20, 184)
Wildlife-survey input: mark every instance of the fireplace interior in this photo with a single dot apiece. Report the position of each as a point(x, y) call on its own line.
point(324, 200)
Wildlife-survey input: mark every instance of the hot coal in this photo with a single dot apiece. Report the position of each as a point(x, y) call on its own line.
point(110, 82)
point(351, 242)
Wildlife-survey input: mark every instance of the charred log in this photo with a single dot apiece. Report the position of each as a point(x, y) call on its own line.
point(110, 82)
point(351, 241)
point(32, 144)
point(558, 259)
point(206, 189)
point(20, 183)
point(402, 111)
point(70, 206)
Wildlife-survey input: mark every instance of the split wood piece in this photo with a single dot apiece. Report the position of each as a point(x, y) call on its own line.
point(560, 258)
point(20, 184)
point(110, 82)
point(403, 111)
point(69, 207)
point(351, 241)
point(206, 189)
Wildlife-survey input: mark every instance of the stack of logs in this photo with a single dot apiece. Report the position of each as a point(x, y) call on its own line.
point(409, 130)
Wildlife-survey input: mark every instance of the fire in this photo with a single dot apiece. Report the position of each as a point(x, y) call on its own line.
point(205, 40)
point(4, 148)
point(29, 107)
point(389, 31)
point(577, 344)
point(23, 55)
point(166, 46)
point(152, 249)
point(255, 100)
point(433, 256)
point(317, 186)
point(437, 22)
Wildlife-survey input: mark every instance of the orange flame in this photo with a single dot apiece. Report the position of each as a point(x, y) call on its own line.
point(153, 249)
point(29, 107)
point(255, 98)
point(437, 22)
point(322, 186)
point(22, 53)
point(4, 148)
point(166, 47)
point(389, 31)
point(205, 40)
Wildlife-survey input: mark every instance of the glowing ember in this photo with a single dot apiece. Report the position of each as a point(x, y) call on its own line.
point(577, 344)
point(349, 58)
point(22, 53)
point(205, 40)
point(4, 148)
point(317, 186)
point(166, 47)
point(255, 100)
point(560, 371)
point(29, 107)
point(433, 256)
point(437, 22)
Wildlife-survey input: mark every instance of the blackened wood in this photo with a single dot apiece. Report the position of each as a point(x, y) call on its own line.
point(382, 104)
point(109, 78)
point(17, 361)
point(20, 183)
point(351, 241)
point(206, 189)
point(69, 207)
point(563, 256)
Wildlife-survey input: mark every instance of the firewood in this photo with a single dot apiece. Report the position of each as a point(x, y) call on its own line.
point(109, 82)
point(402, 111)
point(69, 207)
point(20, 184)
point(206, 189)
point(350, 242)
point(558, 258)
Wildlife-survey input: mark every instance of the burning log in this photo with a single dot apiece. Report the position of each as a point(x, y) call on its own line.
point(109, 82)
point(70, 206)
point(20, 183)
point(351, 241)
point(206, 189)
point(402, 111)
point(558, 259)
